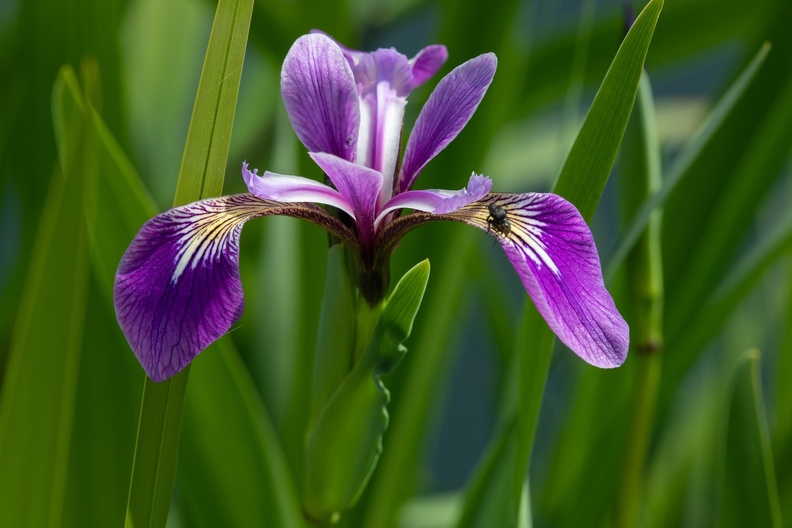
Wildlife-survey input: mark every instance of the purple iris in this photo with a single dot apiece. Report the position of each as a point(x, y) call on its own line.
point(178, 288)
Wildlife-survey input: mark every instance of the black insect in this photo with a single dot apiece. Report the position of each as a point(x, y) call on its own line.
point(498, 220)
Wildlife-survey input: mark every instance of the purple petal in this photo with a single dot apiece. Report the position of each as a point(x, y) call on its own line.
point(384, 80)
point(359, 185)
point(426, 63)
point(177, 288)
point(552, 249)
point(439, 201)
point(352, 56)
point(553, 252)
point(320, 96)
point(291, 189)
point(446, 113)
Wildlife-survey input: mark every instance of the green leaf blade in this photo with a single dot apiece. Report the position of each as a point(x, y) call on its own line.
point(748, 460)
point(201, 175)
point(39, 388)
point(581, 180)
point(586, 168)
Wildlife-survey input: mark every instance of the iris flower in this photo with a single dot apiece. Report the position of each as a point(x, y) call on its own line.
point(178, 287)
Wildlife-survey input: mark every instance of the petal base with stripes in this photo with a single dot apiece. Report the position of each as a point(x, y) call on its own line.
point(178, 289)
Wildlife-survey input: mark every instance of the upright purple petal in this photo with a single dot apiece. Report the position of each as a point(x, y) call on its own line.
point(320, 96)
point(359, 185)
point(427, 62)
point(445, 114)
point(352, 56)
point(177, 288)
point(384, 80)
point(293, 189)
point(439, 201)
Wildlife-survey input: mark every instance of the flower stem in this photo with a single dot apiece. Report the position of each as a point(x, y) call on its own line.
point(641, 177)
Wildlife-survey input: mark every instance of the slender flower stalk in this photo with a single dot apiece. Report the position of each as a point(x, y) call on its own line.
point(641, 176)
point(178, 288)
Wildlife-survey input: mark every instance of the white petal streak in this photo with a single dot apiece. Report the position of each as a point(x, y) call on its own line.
point(207, 227)
point(526, 231)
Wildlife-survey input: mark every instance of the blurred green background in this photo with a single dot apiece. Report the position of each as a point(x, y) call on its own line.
point(720, 449)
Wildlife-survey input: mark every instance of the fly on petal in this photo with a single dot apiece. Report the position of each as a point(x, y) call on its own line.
point(553, 252)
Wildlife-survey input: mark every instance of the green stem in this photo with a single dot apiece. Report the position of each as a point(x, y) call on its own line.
point(646, 381)
point(641, 177)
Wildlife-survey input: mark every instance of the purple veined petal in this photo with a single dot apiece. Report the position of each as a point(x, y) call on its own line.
point(320, 95)
point(427, 62)
point(445, 114)
point(352, 56)
point(553, 252)
point(291, 189)
point(384, 80)
point(359, 185)
point(438, 201)
point(177, 288)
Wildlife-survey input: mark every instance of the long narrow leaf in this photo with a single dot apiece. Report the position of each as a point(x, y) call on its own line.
point(38, 391)
point(232, 466)
point(201, 175)
point(685, 159)
point(581, 180)
point(750, 493)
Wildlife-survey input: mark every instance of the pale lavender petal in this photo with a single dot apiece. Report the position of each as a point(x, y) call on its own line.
point(383, 65)
point(320, 96)
point(177, 288)
point(291, 189)
point(553, 252)
point(359, 185)
point(439, 201)
point(426, 63)
point(445, 114)
point(384, 80)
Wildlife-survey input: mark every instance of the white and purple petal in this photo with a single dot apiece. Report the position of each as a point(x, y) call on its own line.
point(445, 114)
point(360, 186)
point(293, 189)
point(177, 288)
point(553, 252)
point(384, 80)
point(438, 201)
point(320, 95)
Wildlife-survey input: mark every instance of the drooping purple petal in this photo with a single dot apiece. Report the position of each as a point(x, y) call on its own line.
point(445, 114)
point(292, 189)
point(359, 185)
point(439, 201)
point(177, 288)
point(426, 63)
point(320, 96)
point(553, 252)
